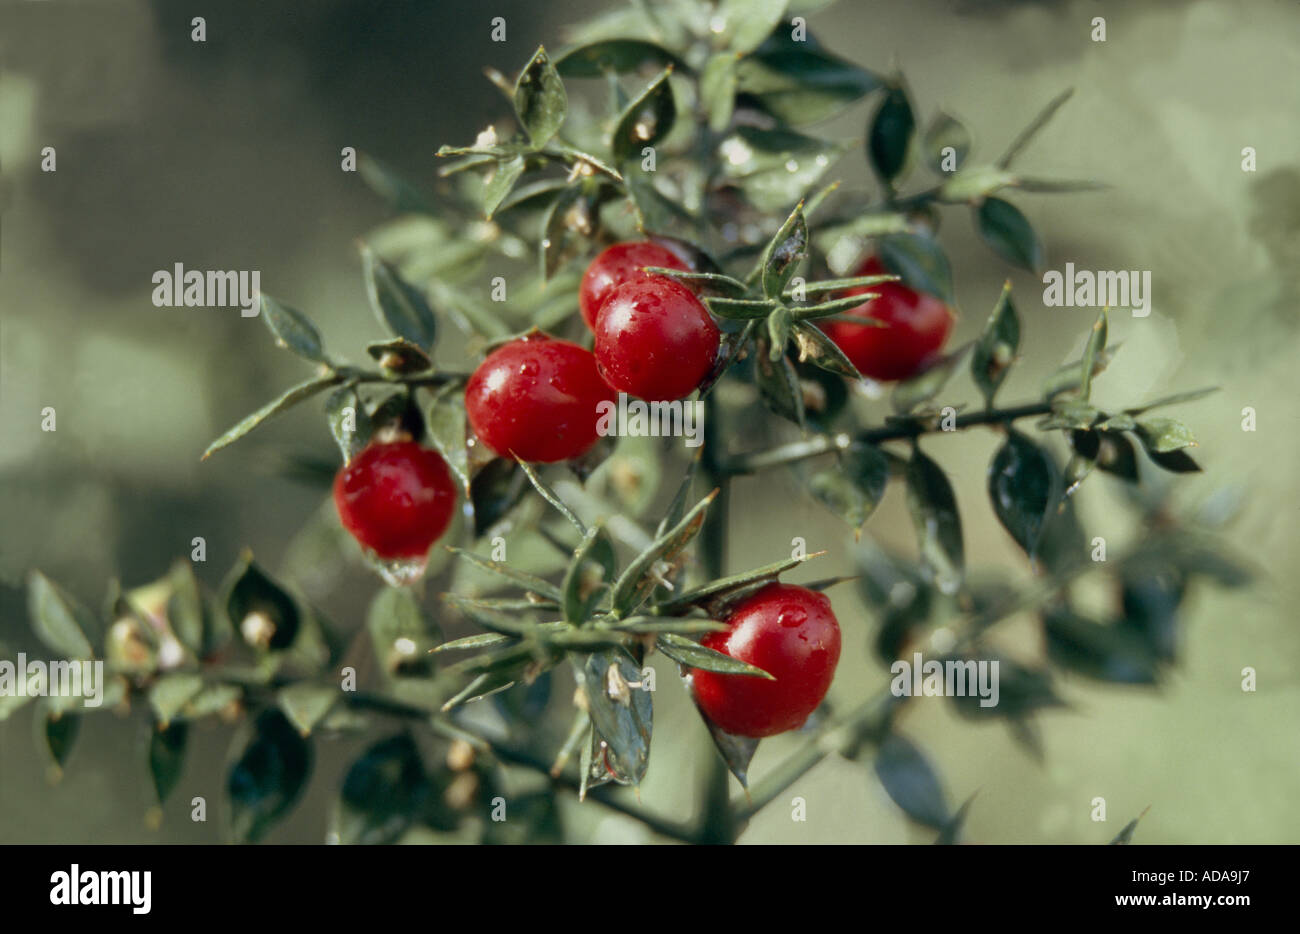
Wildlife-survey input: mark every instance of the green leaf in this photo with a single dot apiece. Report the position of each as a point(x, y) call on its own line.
point(385, 791)
point(268, 777)
point(60, 731)
point(447, 426)
point(1091, 352)
point(996, 348)
point(783, 254)
point(739, 309)
point(479, 641)
point(1115, 455)
point(288, 400)
point(252, 591)
point(687, 652)
point(186, 610)
point(1009, 234)
point(573, 219)
point(745, 24)
point(540, 101)
point(736, 751)
point(617, 55)
point(292, 330)
point(171, 693)
point(638, 579)
point(501, 183)
point(1162, 435)
point(529, 582)
point(854, 488)
point(799, 84)
point(306, 704)
point(401, 195)
point(933, 507)
point(167, 746)
point(911, 782)
point(397, 304)
point(58, 619)
point(1023, 486)
point(718, 89)
point(1028, 133)
point(778, 385)
point(1175, 399)
point(348, 420)
point(657, 213)
point(590, 573)
point(623, 716)
point(402, 634)
point(645, 121)
point(775, 167)
point(551, 497)
point(494, 491)
point(890, 136)
point(946, 132)
point(920, 261)
point(778, 332)
point(816, 348)
point(925, 385)
point(212, 699)
point(1105, 653)
point(712, 592)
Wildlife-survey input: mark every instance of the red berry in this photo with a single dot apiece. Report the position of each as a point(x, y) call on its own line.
point(655, 340)
point(396, 498)
point(917, 324)
point(618, 264)
point(789, 632)
point(536, 398)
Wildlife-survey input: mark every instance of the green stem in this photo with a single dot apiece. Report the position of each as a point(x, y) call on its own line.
point(843, 441)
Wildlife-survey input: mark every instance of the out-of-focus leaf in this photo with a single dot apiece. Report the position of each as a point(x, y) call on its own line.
point(501, 183)
point(307, 704)
point(385, 791)
point(1162, 435)
point(946, 132)
point(268, 778)
point(745, 24)
point(170, 693)
point(59, 620)
point(1095, 650)
point(775, 167)
point(617, 55)
point(912, 782)
point(446, 422)
point(1029, 132)
point(348, 420)
point(778, 384)
point(250, 591)
point(890, 135)
point(1009, 234)
point(736, 751)
point(494, 491)
point(59, 731)
point(1091, 352)
point(167, 746)
point(938, 526)
point(928, 383)
point(920, 261)
point(798, 83)
point(718, 89)
point(853, 489)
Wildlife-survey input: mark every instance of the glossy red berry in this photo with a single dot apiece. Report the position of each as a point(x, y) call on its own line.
point(655, 340)
point(615, 265)
point(395, 498)
point(789, 632)
point(916, 325)
point(536, 398)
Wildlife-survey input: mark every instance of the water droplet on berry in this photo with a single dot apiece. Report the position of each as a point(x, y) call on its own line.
point(529, 368)
point(401, 572)
point(792, 616)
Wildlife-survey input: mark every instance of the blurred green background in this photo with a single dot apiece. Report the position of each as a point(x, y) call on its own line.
point(225, 155)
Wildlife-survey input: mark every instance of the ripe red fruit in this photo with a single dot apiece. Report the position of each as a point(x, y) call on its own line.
point(395, 498)
point(655, 340)
point(536, 398)
point(916, 325)
point(789, 632)
point(615, 265)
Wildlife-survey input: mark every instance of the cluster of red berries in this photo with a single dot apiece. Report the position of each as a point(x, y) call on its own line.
point(538, 397)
